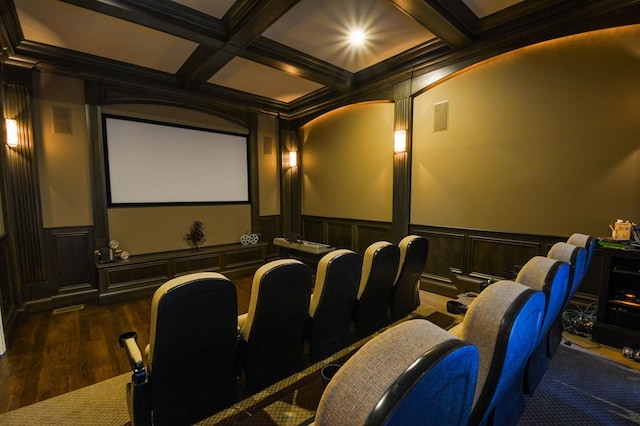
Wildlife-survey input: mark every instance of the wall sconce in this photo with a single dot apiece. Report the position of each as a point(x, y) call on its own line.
point(400, 141)
point(12, 132)
point(293, 158)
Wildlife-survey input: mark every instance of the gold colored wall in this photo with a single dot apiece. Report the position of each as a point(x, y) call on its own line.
point(347, 163)
point(268, 165)
point(63, 158)
point(543, 140)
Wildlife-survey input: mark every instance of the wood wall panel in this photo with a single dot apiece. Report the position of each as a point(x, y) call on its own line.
point(313, 230)
point(351, 234)
point(270, 228)
point(339, 234)
point(70, 259)
point(8, 287)
point(499, 257)
point(465, 255)
point(446, 251)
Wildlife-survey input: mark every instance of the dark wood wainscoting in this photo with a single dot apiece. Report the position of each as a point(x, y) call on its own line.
point(8, 288)
point(355, 235)
point(461, 259)
point(71, 268)
point(270, 228)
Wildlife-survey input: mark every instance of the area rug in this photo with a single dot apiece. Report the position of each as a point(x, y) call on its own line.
point(580, 388)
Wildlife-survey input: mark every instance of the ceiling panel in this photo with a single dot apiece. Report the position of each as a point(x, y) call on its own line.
point(215, 8)
point(261, 80)
point(484, 8)
point(62, 25)
point(321, 29)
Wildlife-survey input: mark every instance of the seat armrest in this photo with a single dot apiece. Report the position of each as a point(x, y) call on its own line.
point(129, 342)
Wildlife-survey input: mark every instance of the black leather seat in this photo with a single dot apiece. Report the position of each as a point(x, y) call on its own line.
point(379, 270)
point(273, 328)
point(404, 293)
point(333, 298)
point(189, 373)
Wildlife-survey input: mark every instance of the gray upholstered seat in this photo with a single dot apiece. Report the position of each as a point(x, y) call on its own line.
point(332, 301)
point(379, 269)
point(589, 244)
point(412, 373)
point(503, 322)
point(273, 327)
point(189, 371)
point(552, 278)
point(404, 293)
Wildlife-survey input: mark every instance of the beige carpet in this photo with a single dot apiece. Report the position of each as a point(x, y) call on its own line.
point(101, 404)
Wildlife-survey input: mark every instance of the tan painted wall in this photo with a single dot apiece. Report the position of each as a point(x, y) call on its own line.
point(154, 229)
point(347, 163)
point(269, 173)
point(63, 158)
point(543, 140)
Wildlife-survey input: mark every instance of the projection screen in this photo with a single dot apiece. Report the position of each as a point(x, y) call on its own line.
point(159, 163)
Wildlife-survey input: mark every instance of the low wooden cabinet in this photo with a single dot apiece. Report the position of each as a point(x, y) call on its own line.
point(142, 274)
point(618, 318)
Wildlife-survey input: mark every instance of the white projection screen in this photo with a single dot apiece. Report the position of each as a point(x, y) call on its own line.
point(158, 163)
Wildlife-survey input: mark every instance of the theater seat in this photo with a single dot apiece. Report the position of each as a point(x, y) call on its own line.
point(576, 258)
point(551, 277)
point(589, 244)
point(404, 293)
point(413, 373)
point(332, 301)
point(273, 328)
point(189, 372)
point(379, 270)
point(503, 322)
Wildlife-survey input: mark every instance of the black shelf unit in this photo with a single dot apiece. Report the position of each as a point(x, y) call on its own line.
point(618, 320)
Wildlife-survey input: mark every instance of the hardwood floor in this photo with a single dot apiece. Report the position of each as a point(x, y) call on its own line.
point(51, 354)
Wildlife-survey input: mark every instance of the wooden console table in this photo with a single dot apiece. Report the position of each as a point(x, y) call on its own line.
point(141, 275)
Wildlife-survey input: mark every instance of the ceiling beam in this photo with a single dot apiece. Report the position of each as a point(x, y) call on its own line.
point(244, 22)
point(435, 20)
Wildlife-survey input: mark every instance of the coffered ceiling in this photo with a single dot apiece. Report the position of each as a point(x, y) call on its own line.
point(290, 57)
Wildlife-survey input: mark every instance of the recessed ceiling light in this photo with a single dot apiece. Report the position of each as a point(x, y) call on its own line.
point(357, 37)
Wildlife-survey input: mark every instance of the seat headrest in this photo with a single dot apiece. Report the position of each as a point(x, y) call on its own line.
point(321, 275)
point(361, 382)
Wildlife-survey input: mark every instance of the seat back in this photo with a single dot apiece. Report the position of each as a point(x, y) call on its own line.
point(551, 277)
point(274, 327)
point(576, 258)
point(379, 269)
point(404, 294)
point(503, 322)
point(192, 348)
point(332, 301)
point(412, 373)
point(589, 244)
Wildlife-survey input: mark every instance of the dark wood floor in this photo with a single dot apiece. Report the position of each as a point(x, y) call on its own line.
point(51, 354)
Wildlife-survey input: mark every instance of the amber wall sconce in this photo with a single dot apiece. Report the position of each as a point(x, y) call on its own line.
point(400, 141)
point(11, 127)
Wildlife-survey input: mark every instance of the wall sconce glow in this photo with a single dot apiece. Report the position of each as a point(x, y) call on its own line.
point(400, 141)
point(12, 132)
point(293, 158)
